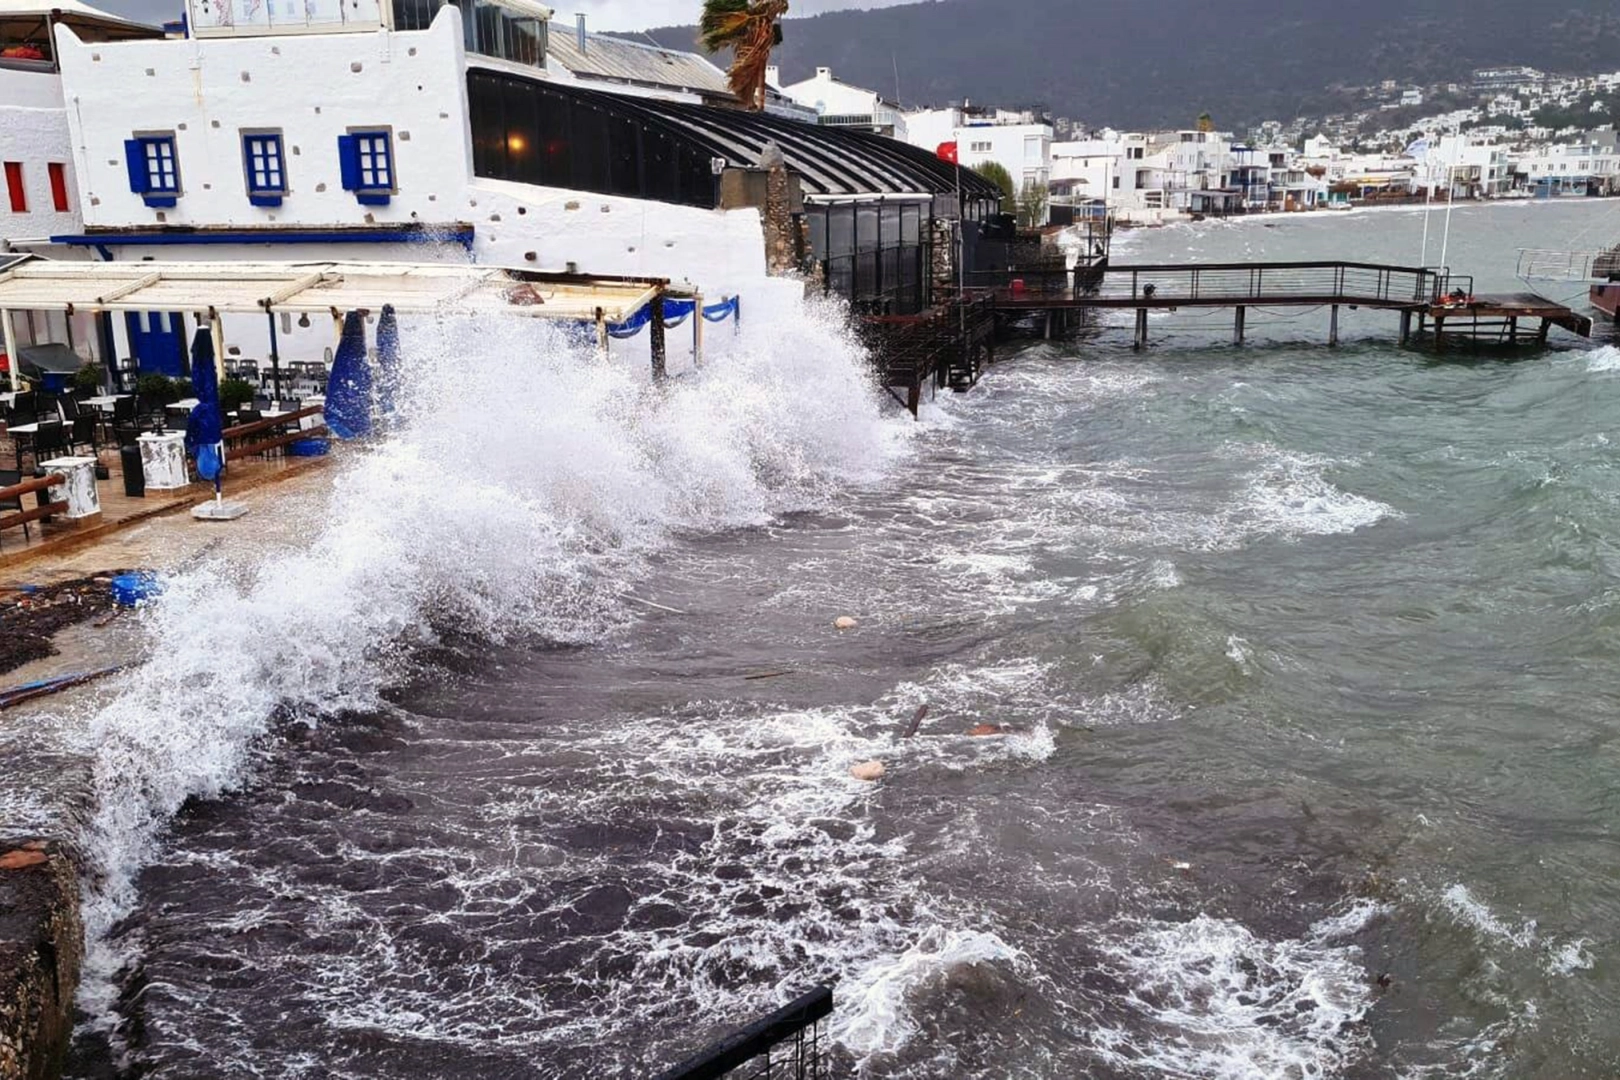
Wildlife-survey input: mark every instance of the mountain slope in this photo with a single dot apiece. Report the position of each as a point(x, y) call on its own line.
point(1135, 64)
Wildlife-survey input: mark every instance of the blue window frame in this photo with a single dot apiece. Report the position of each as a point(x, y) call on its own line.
point(366, 157)
point(154, 168)
point(264, 165)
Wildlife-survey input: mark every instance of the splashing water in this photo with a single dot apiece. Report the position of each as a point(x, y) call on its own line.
point(520, 495)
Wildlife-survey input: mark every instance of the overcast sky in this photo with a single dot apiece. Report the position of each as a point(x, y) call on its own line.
point(602, 14)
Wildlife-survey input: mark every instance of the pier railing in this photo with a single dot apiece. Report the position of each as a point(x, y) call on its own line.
point(1226, 284)
point(789, 1044)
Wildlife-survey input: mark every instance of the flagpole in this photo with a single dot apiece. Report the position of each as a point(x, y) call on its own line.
point(1428, 204)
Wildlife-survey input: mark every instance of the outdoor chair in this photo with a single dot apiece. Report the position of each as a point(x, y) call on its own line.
point(14, 504)
point(84, 431)
point(50, 441)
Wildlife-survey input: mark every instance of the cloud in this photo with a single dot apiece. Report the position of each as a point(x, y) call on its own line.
point(600, 14)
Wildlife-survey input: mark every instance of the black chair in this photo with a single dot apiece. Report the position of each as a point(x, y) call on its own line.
point(69, 404)
point(50, 441)
point(48, 407)
point(83, 431)
point(14, 504)
point(23, 406)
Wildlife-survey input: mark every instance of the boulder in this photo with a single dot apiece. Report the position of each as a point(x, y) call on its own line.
point(867, 770)
point(41, 948)
point(845, 622)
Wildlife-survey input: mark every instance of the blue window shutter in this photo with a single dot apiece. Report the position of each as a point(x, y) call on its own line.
point(135, 159)
point(349, 161)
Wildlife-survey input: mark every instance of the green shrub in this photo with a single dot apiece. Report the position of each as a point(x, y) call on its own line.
point(183, 388)
point(88, 378)
point(234, 393)
point(158, 388)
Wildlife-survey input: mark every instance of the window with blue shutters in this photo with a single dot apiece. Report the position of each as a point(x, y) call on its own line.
point(264, 166)
point(154, 168)
point(366, 157)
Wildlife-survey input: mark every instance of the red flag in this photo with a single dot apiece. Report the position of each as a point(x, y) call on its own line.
point(947, 152)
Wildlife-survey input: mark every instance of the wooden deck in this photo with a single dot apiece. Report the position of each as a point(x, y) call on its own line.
point(1410, 291)
point(119, 511)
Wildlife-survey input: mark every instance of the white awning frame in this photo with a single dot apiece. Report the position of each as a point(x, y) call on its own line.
point(309, 288)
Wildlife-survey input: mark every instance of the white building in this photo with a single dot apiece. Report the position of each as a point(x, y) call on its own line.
point(1582, 168)
point(837, 103)
point(1019, 141)
point(367, 130)
point(39, 176)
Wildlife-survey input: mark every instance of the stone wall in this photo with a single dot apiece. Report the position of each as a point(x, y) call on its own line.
point(41, 948)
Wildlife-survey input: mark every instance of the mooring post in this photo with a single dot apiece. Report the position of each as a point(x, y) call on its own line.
point(1141, 327)
point(660, 355)
point(1333, 326)
point(1406, 327)
point(1237, 326)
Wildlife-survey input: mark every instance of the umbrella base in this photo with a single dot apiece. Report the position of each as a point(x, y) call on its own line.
point(218, 510)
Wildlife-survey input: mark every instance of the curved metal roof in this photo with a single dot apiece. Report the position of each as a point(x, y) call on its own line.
point(827, 160)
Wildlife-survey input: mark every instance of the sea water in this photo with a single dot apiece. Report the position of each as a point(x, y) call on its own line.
point(531, 757)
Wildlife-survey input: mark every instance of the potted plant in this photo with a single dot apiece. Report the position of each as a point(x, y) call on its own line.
point(88, 379)
point(158, 389)
point(234, 393)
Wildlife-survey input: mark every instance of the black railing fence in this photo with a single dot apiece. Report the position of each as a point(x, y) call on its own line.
point(789, 1044)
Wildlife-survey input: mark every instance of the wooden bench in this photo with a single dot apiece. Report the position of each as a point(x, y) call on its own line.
point(39, 513)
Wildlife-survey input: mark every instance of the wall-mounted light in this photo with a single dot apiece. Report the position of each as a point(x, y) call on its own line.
point(303, 320)
point(516, 143)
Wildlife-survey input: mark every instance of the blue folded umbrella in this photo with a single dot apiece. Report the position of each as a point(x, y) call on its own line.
point(387, 360)
point(205, 428)
point(348, 388)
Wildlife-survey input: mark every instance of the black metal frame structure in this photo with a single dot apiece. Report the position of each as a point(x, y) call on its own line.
point(789, 1044)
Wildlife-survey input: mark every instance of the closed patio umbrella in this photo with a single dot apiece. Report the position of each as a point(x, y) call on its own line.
point(348, 387)
point(205, 428)
point(387, 360)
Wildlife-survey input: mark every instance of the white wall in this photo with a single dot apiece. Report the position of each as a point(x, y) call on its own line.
point(313, 87)
point(827, 95)
point(34, 133)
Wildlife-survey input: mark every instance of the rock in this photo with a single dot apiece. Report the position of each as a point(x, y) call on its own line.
point(1385, 980)
point(867, 770)
point(845, 622)
point(41, 949)
point(985, 729)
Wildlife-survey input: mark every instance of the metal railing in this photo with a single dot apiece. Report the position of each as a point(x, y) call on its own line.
point(1257, 283)
point(1545, 265)
point(789, 1044)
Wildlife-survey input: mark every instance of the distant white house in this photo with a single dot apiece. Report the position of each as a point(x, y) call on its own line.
point(1020, 141)
point(838, 104)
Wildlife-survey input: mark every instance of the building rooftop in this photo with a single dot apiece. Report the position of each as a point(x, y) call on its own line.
point(614, 59)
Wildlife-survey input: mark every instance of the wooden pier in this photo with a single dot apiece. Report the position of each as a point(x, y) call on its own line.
point(949, 345)
point(1436, 296)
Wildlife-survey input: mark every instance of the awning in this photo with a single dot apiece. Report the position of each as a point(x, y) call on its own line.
point(53, 358)
point(308, 288)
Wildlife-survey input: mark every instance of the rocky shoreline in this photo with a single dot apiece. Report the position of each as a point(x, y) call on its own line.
point(41, 950)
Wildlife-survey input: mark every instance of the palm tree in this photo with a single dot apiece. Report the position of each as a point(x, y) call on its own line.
point(751, 29)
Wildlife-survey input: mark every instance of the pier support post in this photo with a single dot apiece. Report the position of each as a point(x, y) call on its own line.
point(1406, 327)
point(1047, 331)
point(1237, 325)
point(1439, 333)
point(660, 350)
point(1141, 328)
point(1513, 329)
point(1333, 326)
point(1541, 335)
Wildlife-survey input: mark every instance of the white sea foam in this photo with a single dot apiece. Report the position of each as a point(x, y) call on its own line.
point(1218, 1001)
point(1473, 913)
point(1606, 358)
point(1570, 957)
point(874, 1017)
point(1288, 494)
point(520, 499)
